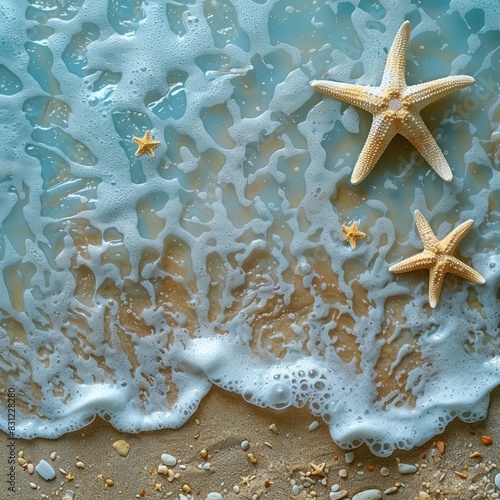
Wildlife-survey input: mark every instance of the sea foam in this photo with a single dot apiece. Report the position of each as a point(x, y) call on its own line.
point(129, 285)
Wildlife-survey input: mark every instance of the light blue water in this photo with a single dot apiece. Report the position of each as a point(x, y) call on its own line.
point(130, 284)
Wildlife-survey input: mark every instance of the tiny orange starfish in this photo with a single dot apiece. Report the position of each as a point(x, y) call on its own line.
point(352, 234)
point(145, 144)
point(437, 256)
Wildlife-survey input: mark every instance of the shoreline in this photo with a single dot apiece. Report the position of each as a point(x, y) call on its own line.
point(283, 459)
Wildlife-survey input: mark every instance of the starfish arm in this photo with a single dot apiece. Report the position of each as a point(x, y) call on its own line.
point(381, 133)
point(425, 93)
point(449, 244)
point(361, 96)
point(394, 72)
point(461, 269)
point(423, 260)
point(426, 233)
point(415, 130)
point(436, 278)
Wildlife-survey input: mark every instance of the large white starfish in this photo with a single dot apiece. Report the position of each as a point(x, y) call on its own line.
point(438, 257)
point(396, 109)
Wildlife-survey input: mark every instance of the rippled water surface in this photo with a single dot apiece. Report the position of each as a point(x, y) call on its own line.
point(130, 284)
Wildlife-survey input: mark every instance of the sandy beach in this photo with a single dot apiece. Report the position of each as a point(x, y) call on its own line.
point(283, 458)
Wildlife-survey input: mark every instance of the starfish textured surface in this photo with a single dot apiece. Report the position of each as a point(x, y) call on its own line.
point(352, 234)
point(396, 109)
point(145, 144)
point(437, 256)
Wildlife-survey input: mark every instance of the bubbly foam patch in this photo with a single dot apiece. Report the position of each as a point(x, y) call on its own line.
point(131, 284)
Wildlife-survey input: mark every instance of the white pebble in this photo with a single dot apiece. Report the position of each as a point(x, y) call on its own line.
point(497, 480)
point(168, 460)
point(295, 490)
point(207, 466)
point(391, 490)
point(368, 495)
point(34, 486)
point(407, 469)
point(337, 495)
point(214, 496)
point(45, 470)
point(245, 445)
point(236, 488)
point(31, 468)
point(349, 457)
point(53, 455)
point(490, 488)
point(342, 473)
point(70, 494)
point(314, 425)
point(335, 487)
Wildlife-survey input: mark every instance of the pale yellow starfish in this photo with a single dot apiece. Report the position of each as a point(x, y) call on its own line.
point(437, 256)
point(145, 144)
point(352, 234)
point(396, 109)
point(318, 470)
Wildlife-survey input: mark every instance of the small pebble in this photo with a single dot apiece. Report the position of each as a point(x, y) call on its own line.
point(30, 468)
point(441, 446)
point(110, 482)
point(245, 445)
point(80, 465)
point(20, 454)
point(236, 488)
point(121, 447)
point(295, 489)
point(163, 469)
point(349, 457)
point(390, 491)
point(314, 425)
point(45, 471)
point(168, 460)
point(384, 471)
point(407, 469)
point(424, 496)
point(251, 458)
point(490, 488)
point(69, 495)
point(497, 480)
point(33, 485)
point(204, 453)
point(53, 456)
point(343, 473)
point(21, 461)
point(487, 440)
point(337, 495)
point(214, 496)
point(368, 495)
point(186, 489)
point(207, 466)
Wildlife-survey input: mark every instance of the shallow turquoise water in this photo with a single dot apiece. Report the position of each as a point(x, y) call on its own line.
point(130, 284)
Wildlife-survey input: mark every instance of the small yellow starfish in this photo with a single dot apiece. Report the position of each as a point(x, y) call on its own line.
point(396, 109)
point(318, 470)
point(352, 234)
point(246, 479)
point(437, 256)
point(145, 144)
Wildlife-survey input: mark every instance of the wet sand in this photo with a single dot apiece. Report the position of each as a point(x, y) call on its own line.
point(222, 421)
